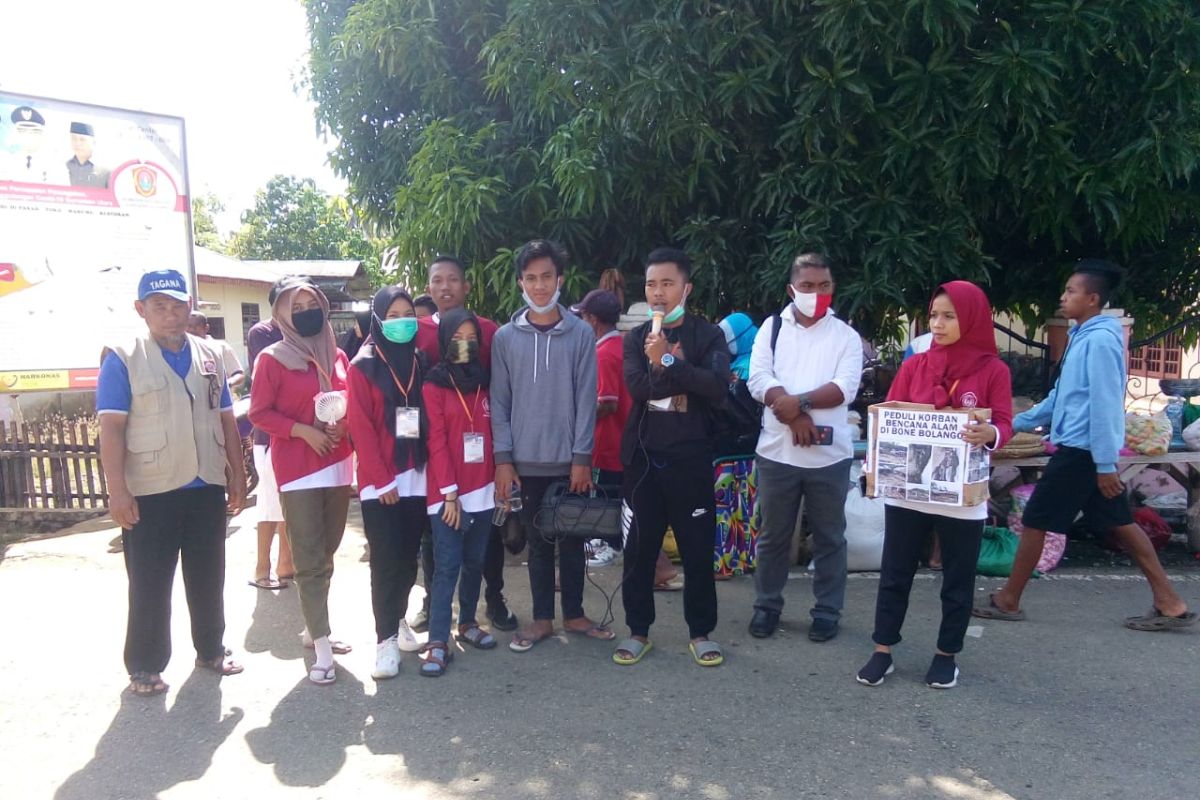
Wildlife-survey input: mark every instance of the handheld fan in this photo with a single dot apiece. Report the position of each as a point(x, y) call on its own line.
point(331, 406)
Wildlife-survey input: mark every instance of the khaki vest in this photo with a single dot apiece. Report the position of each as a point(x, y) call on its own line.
point(173, 433)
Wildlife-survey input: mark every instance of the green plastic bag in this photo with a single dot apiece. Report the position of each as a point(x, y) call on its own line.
point(997, 551)
point(1191, 413)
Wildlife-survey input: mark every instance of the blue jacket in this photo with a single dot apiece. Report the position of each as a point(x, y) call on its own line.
point(1086, 408)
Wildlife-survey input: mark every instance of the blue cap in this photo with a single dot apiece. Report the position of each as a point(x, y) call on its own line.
point(164, 281)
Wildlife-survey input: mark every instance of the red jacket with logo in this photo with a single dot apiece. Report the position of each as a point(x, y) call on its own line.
point(448, 471)
point(990, 387)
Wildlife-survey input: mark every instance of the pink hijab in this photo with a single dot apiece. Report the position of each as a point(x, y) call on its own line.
point(297, 352)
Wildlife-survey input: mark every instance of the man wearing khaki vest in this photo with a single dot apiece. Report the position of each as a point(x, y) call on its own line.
point(165, 416)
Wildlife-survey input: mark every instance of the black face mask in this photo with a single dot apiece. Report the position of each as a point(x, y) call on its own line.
point(463, 351)
point(310, 322)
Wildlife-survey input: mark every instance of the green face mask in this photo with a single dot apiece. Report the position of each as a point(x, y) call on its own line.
point(400, 330)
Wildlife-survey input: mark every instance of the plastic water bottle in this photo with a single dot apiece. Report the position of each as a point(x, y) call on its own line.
point(1174, 412)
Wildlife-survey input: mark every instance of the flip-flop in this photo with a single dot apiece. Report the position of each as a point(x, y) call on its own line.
point(704, 648)
point(322, 676)
point(269, 583)
point(670, 585)
point(339, 648)
point(141, 684)
point(636, 648)
point(1155, 620)
point(993, 611)
point(523, 644)
point(595, 631)
point(222, 665)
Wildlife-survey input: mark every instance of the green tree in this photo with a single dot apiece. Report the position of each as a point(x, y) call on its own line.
point(292, 219)
point(913, 140)
point(205, 209)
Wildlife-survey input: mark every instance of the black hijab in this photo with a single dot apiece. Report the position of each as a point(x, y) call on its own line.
point(351, 342)
point(466, 377)
point(385, 363)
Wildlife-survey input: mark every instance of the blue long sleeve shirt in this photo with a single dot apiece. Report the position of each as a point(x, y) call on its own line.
point(1086, 408)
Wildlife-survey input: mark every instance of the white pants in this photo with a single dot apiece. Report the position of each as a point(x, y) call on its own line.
point(269, 508)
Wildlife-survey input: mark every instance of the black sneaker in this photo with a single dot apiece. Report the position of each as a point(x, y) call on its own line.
point(943, 673)
point(763, 623)
point(876, 669)
point(822, 630)
point(420, 623)
point(501, 618)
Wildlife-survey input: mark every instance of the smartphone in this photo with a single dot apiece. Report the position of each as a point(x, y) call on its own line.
point(824, 435)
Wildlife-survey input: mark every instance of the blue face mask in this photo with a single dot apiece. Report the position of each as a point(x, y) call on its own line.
point(400, 330)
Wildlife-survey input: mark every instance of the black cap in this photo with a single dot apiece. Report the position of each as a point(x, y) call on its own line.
point(82, 128)
point(27, 115)
point(601, 304)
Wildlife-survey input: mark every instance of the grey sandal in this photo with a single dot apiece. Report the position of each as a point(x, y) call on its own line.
point(636, 649)
point(707, 653)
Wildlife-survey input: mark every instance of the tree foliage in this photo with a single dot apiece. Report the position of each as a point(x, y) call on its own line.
point(293, 219)
point(205, 209)
point(913, 140)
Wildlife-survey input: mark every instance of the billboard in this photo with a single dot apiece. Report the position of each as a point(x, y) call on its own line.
point(91, 198)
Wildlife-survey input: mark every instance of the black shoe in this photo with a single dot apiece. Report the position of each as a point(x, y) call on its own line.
point(874, 671)
point(822, 630)
point(501, 618)
point(420, 623)
point(943, 673)
point(763, 623)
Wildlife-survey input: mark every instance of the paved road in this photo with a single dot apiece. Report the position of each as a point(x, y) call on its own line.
point(1068, 705)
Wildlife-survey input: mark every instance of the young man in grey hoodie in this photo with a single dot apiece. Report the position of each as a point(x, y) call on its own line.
point(543, 404)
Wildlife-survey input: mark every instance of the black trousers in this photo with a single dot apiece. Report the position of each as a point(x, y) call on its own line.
point(610, 479)
point(572, 564)
point(905, 532)
point(185, 525)
point(661, 492)
point(394, 533)
point(493, 566)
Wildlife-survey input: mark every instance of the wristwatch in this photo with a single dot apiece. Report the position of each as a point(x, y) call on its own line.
point(806, 404)
point(667, 359)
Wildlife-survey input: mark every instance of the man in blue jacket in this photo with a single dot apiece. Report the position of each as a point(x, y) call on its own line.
point(1086, 414)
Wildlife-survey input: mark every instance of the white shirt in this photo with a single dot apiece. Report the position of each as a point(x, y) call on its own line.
point(829, 351)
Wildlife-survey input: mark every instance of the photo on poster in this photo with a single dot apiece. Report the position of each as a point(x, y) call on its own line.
point(978, 465)
point(946, 464)
point(946, 493)
point(919, 456)
point(891, 468)
point(893, 491)
point(917, 494)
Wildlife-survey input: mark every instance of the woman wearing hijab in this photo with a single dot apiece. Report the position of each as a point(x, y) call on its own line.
point(353, 339)
point(461, 484)
point(962, 369)
point(739, 332)
point(388, 427)
point(312, 458)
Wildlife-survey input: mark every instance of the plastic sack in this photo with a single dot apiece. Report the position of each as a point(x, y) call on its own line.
point(1191, 436)
point(996, 552)
point(864, 531)
point(1148, 435)
point(1053, 550)
point(1156, 528)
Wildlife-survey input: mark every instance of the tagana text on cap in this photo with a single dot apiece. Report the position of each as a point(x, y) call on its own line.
point(164, 281)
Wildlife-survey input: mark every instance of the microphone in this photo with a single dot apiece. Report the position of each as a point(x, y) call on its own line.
point(656, 321)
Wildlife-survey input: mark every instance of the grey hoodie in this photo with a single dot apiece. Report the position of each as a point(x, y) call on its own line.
point(543, 395)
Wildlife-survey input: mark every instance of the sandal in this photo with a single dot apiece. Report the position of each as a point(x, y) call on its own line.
point(636, 649)
point(146, 684)
point(434, 665)
point(673, 584)
point(1155, 620)
point(222, 665)
point(993, 611)
point(477, 637)
point(322, 676)
point(523, 643)
point(269, 583)
point(339, 648)
point(593, 631)
point(707, 653)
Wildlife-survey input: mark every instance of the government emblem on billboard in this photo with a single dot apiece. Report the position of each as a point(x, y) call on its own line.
point(145, 181)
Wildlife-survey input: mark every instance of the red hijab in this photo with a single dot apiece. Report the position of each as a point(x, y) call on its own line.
point(937, 371)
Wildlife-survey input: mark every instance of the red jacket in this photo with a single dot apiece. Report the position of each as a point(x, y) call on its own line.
point(610, 385)
point(447, 470)
point(427, 340)
point(281, 397)
point(991, 387)
point(374, 437)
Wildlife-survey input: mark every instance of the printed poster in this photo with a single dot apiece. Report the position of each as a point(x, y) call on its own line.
point(920, 456)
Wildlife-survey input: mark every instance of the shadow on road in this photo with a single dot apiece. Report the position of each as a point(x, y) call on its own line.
point(165, 746)
point(276, 623)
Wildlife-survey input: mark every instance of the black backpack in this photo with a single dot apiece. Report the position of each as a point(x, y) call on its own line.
point(735, 426)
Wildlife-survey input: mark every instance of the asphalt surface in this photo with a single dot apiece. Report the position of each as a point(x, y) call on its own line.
point(1066, 705)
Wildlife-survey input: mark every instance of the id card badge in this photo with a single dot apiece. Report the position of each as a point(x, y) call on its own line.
point(472, 448)
point(408, 423)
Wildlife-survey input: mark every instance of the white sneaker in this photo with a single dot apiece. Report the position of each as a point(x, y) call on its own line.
point(406, 639)
point(601, 555)
point(387, 660)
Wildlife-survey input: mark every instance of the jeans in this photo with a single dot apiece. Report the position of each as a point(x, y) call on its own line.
point(571, 560)
point(781, 488)
point(905, 532)
point(459, 555)
point(493, 567)
point(187, 525)
point(394, 533)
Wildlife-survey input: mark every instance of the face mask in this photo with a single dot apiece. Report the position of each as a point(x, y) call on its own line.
point(400, 330)
point(674, 314)
point(811, 304)
point(541, 309)
point(462, 351)
point(310, 322)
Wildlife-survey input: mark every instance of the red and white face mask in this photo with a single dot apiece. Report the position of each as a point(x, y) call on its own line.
point(811, 304)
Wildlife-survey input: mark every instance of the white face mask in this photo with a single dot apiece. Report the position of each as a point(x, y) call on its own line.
point(541, 309)
point(811, 304)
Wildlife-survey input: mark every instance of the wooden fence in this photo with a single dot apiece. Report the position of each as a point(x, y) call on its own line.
point(51, 464)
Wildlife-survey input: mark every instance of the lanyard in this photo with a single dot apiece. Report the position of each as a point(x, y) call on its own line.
point(412, 376)
point(321, 370)
point(474, 405)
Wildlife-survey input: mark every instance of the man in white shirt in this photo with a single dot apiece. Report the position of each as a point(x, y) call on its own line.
point(806, 375)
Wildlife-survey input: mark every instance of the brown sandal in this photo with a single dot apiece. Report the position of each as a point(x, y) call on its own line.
point(435, 666)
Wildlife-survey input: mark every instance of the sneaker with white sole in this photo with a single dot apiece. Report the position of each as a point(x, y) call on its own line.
point(406, 639)
point(600, 555)
point(876, 669)
point(387, 659)
point(943, 673)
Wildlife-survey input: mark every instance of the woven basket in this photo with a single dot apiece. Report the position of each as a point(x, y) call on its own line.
point(1021, 445)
